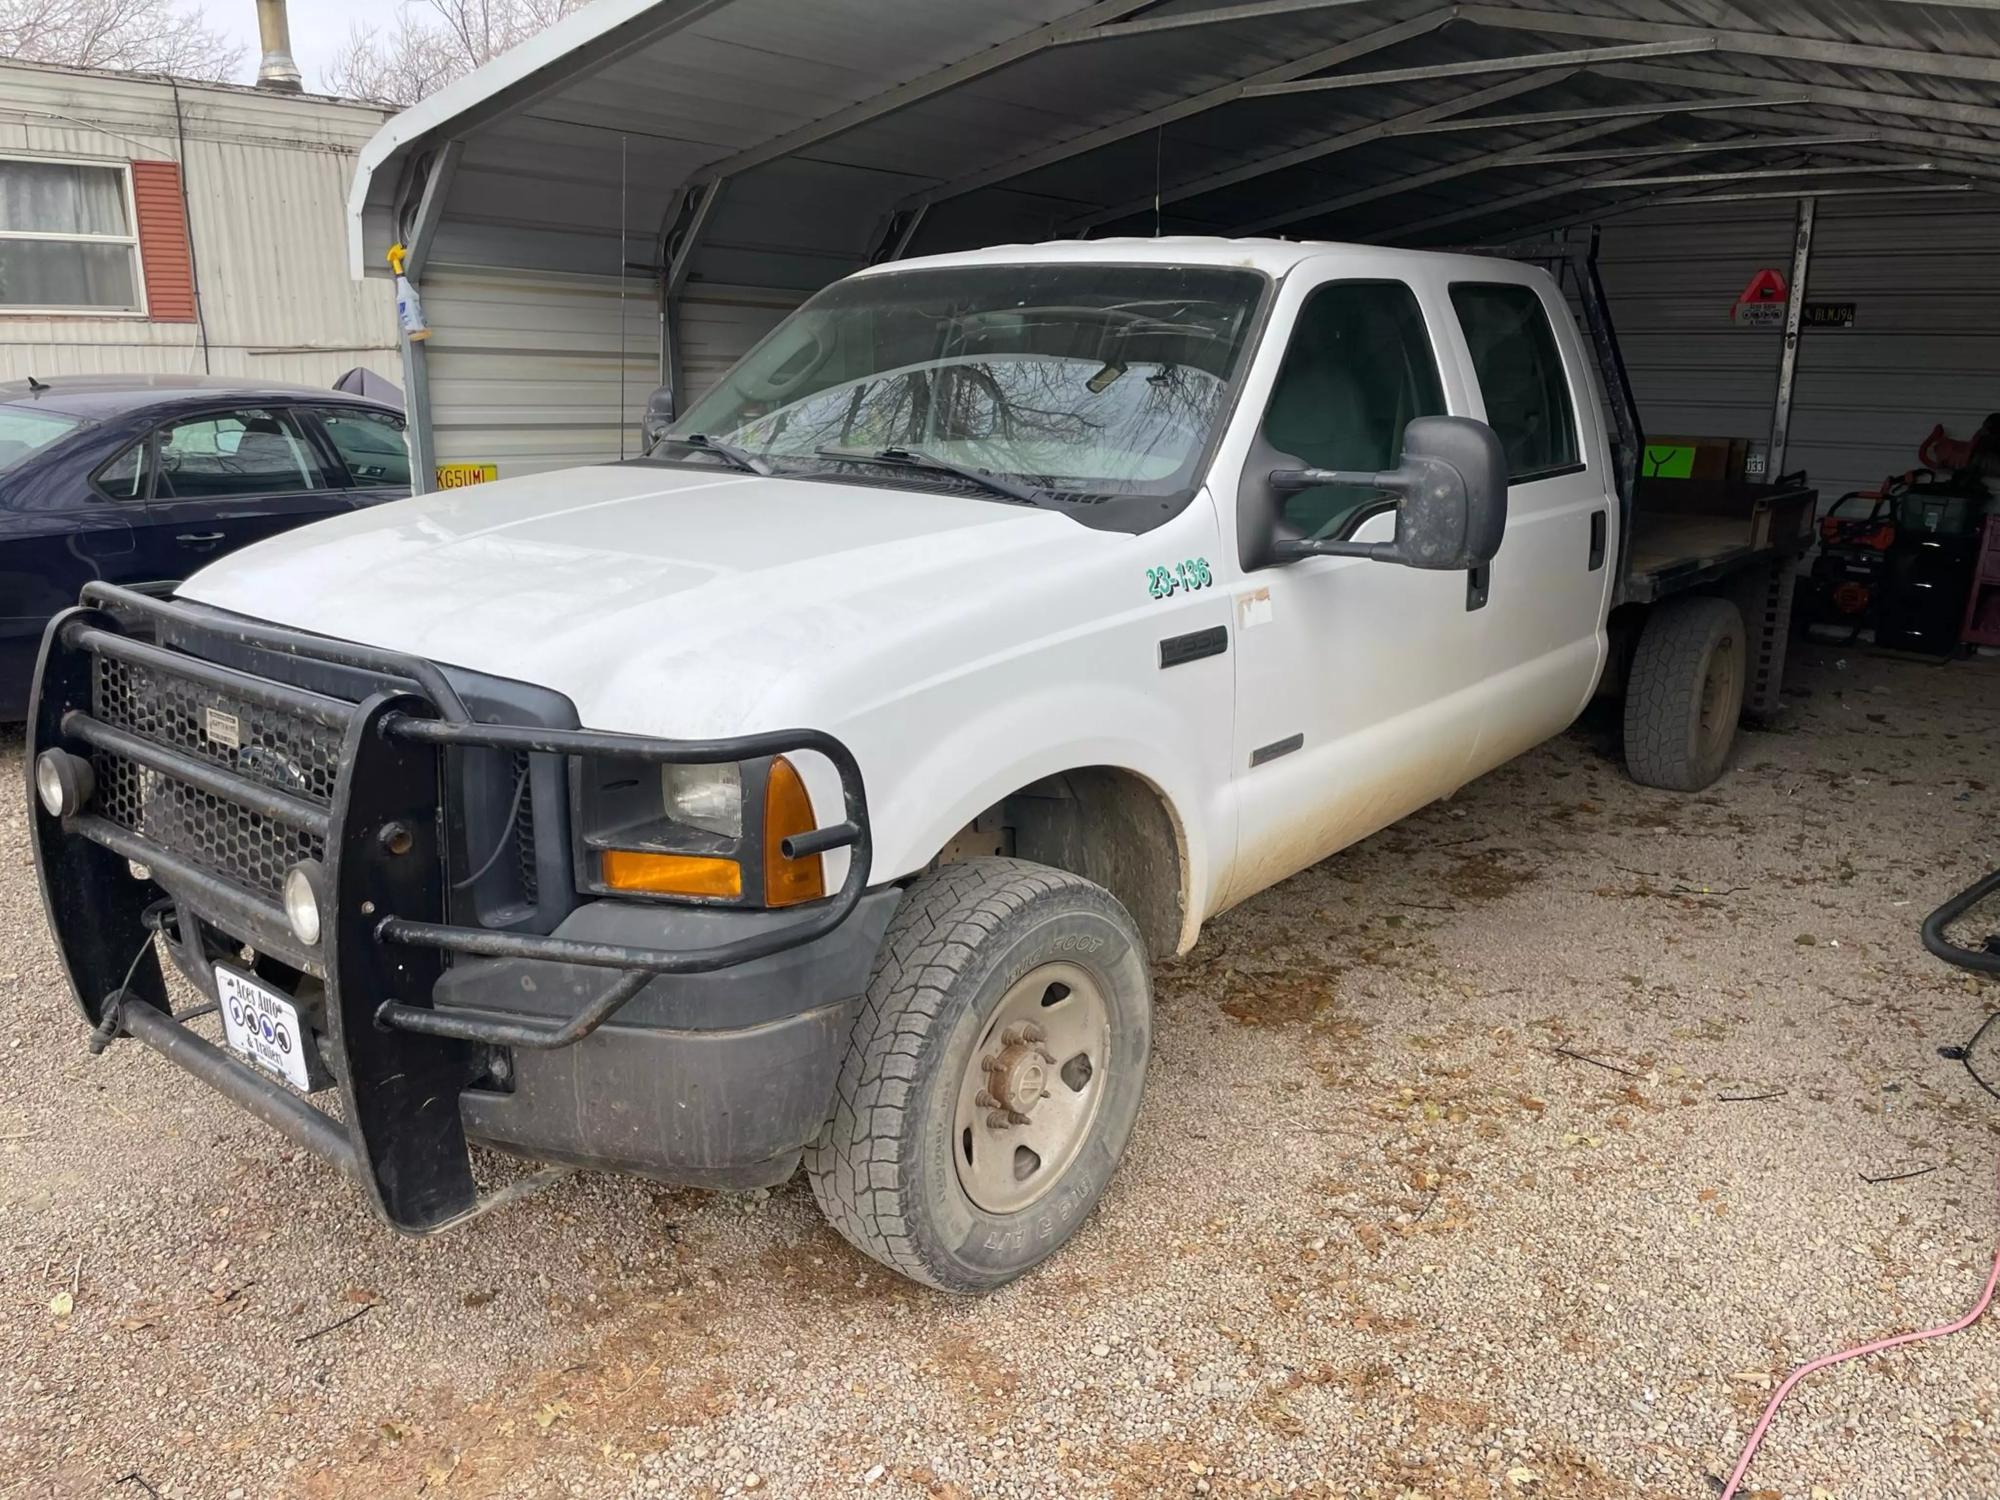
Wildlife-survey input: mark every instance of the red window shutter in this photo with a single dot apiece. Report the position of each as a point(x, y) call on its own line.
point(163, 241)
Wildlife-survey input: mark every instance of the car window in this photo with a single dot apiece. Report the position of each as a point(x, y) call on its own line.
point(1520, 370)
point(124, 478)
point(370, 443)
point(24, 430)
point(255, 451)
point(1359, 369)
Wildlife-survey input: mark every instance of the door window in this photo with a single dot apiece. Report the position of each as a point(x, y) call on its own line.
point(250, 452)
point(124, 478)
point(1520, 370)
point(1359, 369)
point(370, 443)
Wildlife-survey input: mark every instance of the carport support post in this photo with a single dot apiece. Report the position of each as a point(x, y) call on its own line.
point(1788, 364)
point(418, 233)
point(677, 245)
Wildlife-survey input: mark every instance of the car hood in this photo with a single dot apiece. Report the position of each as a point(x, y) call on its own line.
point(660, 600)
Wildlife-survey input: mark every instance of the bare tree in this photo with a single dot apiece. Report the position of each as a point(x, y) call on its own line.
point(432, 43)
point(148, 36)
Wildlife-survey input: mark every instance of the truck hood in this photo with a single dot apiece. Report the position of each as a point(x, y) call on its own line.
point(660, 600)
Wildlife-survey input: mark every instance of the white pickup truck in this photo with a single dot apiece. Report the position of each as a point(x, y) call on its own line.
point(821, 784)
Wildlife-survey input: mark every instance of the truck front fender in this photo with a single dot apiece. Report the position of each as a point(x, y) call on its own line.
point(923, 795)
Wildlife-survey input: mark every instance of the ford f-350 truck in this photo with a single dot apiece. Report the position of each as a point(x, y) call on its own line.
point(821, 784)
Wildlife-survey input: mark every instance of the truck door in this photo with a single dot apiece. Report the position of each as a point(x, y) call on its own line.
point(1543, 627)
point(1357, 681)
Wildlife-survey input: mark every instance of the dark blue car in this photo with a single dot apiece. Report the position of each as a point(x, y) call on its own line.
point(141, 480)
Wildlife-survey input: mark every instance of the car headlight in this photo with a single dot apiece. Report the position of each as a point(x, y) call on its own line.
point(700, 832)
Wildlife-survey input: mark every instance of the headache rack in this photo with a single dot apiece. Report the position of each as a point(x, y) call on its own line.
point(216, 781)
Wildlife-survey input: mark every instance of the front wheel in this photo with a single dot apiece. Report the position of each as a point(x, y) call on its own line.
point(992, 1077)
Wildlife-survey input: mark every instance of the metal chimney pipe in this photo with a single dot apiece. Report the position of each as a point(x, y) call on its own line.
point(276, 71)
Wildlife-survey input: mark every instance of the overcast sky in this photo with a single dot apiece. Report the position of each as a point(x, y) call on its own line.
point(318, 29)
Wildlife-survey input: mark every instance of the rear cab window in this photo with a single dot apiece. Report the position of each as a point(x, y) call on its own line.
point(1359, 369)
point(1521, 377)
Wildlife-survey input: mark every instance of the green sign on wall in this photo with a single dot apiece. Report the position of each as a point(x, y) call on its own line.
point(1670, 460)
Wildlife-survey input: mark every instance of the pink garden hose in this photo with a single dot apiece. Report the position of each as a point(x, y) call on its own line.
point(1824, 1361)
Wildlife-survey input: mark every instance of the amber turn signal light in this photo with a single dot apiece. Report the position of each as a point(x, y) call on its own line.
point(788, 811)
point(671, 874)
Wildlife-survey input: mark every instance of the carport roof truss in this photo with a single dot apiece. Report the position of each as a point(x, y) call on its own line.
point(776, 144)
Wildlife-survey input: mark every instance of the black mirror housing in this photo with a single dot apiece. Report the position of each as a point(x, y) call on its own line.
point(658, 418)
point(1454, 512)
point(1453, 485)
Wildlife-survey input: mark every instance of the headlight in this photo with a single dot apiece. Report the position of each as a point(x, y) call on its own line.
point(707, 832)
point(301, 897)
point(706, 797)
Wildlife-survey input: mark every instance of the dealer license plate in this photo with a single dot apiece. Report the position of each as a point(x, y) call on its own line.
point(262, 1025)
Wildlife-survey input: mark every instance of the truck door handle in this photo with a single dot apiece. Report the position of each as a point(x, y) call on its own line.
point(199, 536)
point(1599, 531)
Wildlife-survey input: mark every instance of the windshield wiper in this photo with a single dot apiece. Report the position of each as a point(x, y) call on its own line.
point(729, 453)
point(910, 458)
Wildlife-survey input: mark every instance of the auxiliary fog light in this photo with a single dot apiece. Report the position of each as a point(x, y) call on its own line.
point(63, 782)
point(301, 893)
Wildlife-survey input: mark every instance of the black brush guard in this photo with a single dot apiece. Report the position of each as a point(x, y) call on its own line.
point(399, 1064)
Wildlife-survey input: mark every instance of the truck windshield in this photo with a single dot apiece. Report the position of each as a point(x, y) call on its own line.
point(1099, 379)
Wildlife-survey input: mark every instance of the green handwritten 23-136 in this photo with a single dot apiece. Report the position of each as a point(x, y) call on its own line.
point(1164, 583)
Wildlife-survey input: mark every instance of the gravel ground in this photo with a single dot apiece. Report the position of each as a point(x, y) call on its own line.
point(1376, 1235)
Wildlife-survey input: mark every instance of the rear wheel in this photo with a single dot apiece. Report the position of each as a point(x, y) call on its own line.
point(992, 1077)
point(1685, 693)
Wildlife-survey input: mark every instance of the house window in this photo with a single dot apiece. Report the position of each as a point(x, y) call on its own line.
point(68, 238)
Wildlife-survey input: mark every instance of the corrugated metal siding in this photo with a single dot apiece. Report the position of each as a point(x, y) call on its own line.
point(163, 241)
point(267, 179)
point(1925, 347)
point(1673, 277)
point(526, 367)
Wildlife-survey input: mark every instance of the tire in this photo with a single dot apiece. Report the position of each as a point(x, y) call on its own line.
point(913, 1168)
point(1685, 693)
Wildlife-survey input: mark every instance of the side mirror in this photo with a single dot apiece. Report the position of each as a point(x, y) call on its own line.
point(659, 417)
point(1453, 484)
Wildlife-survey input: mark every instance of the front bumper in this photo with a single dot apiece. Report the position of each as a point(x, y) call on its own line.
point(214, 779)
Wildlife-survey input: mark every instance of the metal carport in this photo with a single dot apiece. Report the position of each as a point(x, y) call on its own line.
point(641, 191)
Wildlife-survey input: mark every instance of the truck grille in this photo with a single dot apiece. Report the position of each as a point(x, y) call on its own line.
point(524, 835)
point(277, 749)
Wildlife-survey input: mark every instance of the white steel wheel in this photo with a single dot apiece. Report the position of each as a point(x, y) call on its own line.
point(992, 1077)
point(1032, 1087)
